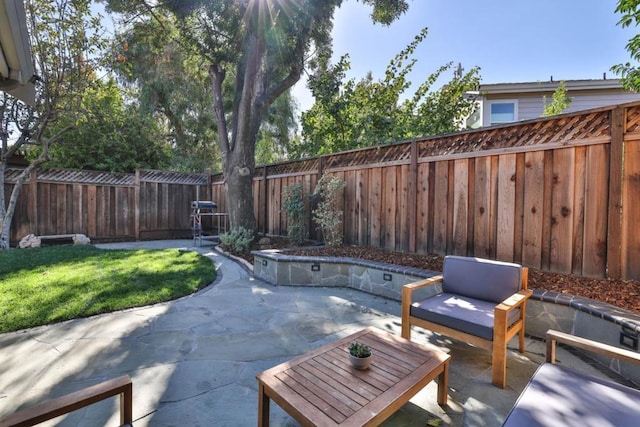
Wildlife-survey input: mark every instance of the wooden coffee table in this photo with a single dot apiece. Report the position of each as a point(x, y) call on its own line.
point(322, 388)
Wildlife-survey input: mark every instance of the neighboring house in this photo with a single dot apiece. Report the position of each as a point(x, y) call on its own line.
point(511, 102)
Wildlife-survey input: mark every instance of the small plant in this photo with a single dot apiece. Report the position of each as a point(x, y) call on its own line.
point(359, 350)
point(328, 213)
point(293, 206)
point(237, 240)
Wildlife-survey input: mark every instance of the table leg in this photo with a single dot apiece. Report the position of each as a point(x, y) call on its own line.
point(443, 384)
point(263, 407)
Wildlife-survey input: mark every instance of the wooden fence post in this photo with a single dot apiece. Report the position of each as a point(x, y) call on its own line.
point(137, 206)
point(614, 229)
point(33, 202)
point(265, 208)
point(412, 196)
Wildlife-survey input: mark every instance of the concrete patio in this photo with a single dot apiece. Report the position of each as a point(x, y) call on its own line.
point(193, 361)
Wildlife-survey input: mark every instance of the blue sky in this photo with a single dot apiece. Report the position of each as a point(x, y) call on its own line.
point(511, 41)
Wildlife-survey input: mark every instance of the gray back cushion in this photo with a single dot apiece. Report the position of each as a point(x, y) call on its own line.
point(481, 278)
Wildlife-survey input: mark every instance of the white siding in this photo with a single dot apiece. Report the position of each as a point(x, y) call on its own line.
point(585, 102)
point(531, 107)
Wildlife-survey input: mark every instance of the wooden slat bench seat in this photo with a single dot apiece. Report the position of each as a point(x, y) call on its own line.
point(53, 408)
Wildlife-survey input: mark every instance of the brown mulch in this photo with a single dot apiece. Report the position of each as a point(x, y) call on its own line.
point(621, 293)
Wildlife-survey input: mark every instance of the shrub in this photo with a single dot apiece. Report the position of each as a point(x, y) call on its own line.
point(293, 206)
point(328, 213)
point(237, 240)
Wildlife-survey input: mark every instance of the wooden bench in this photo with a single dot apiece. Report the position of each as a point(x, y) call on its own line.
point(557, 395)
point(53, 408)
point(482, 303)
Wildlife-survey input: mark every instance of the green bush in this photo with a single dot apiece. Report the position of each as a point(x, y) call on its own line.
point(293, 206)
point(328, 213)
point(237, 240)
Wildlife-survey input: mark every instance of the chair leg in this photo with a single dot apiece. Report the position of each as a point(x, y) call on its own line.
point(405, 330)
point(499, 364)
point(521, 340)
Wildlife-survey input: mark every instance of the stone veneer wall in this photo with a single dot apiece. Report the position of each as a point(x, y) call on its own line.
point(545, 310)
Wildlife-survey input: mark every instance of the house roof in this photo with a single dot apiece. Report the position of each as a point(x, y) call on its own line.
point(16, 60)
point(549, 86)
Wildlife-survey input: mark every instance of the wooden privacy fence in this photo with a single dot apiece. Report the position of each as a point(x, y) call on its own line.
point(558, 194)
point(144, 205)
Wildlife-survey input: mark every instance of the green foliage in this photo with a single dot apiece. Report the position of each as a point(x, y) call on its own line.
point(348, 115)
point(328, 213)
point(253, 51)
point(294, 207)
point(629, 71)
point(361, 350)
point(110, 136)
point(559, 101)
point(237, 240)
point(66, 45)
point(51, 284)
point(169, 83)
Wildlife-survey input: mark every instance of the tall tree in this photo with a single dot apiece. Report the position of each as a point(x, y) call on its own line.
point(110, 136)
point(262, 45)
point(66, 41)
point(169, 83)
point(348, 115)
point(630, 72)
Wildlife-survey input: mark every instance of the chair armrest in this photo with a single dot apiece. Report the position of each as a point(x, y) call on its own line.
point(53, 408)
point(553, 337)
point(407, 290)
point(514, 301)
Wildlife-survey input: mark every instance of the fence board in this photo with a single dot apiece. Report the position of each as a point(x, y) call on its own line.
point(595, 212)
point(482, 208)
point(562, 200)
point(506, 207)
point(578, 210)
point(631, 212)
point(440, 207)
point(533, 209)
point(460, 206)
point(376, 207)
point(362, 206)
point(404, 215)
point(423, 208)
point(519, 209)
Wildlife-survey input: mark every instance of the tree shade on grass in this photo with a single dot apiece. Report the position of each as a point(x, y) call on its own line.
point(51, 284)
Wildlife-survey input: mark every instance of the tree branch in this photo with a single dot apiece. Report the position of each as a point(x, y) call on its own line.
point(217, 76)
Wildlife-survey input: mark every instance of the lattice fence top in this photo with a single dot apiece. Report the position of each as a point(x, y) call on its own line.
point(106, 178)
point(560, 129)
point(173, 177)
point(75, 177)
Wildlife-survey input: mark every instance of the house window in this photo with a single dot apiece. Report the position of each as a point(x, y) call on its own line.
point(503, 112)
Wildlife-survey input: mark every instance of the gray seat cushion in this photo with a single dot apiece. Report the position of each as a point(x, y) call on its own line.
point(559, 396)
point(469, 315)
point(481, 278)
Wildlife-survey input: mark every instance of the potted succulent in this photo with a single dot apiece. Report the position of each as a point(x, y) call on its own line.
point(360, 355)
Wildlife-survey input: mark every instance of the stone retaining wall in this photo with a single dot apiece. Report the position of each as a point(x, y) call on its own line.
point(545, 310)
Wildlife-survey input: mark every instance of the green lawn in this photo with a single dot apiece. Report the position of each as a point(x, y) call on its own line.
point(51, 284)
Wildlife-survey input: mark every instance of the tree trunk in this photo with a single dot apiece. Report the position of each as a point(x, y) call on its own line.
point(238, 172)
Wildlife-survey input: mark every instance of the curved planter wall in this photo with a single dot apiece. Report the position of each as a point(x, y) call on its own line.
point(545, 310)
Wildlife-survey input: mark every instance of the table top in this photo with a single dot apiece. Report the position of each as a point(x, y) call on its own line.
point(322, 388)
